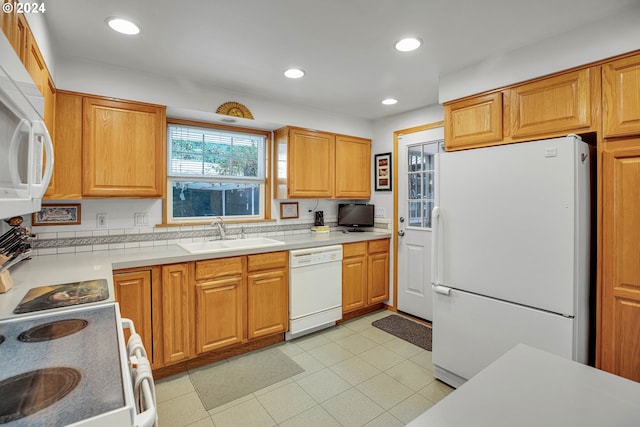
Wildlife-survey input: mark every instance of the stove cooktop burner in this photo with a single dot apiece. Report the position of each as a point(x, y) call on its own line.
point(53, 330)
point(28, 393)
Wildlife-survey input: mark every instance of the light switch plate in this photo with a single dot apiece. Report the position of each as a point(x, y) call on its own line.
point(101, 220)
point(379, 213)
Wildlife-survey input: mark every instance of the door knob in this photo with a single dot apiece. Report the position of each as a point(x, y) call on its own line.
point(401, 233)
point(401, 219)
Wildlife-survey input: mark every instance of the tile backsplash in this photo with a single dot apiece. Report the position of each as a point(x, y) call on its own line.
point(50, 243)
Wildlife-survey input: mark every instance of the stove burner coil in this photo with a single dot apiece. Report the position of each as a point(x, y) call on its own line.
point(30, 392)
point(53, 330)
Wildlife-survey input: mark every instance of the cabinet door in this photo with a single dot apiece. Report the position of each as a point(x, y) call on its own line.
point(123, 149)
point(35, 65)
point(268, 303)
point(219, 313)
point(133, 293)
point(66, 182)
point(176, 315)
point(621, 103)
point(475, 122)
point(311, 164)
point(8, 22)
point(552, 105)
point(354, 283)
point(620, 285)
point(378, 283)
point(21, 36)
point(353, 168)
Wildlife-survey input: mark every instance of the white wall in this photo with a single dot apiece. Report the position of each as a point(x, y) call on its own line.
point(609, 37)
point(382, 142)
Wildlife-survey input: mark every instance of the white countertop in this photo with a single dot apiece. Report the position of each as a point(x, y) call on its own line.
point(66, 268)
point(527, 387)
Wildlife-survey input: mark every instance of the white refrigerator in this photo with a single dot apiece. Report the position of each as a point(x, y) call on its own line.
point(511, 238)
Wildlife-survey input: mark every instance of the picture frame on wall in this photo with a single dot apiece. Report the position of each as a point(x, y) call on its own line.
point(288, 210)
point(382, 170)
point(57, 214)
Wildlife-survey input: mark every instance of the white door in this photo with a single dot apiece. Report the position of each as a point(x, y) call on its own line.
point(417, 177)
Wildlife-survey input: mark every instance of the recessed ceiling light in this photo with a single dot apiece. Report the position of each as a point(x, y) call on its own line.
point(389, 101)
point(294, 73)
point(408, 44)
point(123, 26)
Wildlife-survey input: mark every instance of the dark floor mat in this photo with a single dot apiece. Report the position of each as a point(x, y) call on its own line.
point(408, 330)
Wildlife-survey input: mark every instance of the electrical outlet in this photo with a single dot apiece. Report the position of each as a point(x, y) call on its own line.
point(101, 220)
point(379, 213)
point(140, 219)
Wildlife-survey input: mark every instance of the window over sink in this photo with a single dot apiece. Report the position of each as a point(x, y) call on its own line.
point(216, 171)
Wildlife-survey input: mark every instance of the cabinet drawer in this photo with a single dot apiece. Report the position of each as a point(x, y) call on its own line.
point(376, 246)
point(222, 267)
point(354, 249)
point(267, 261)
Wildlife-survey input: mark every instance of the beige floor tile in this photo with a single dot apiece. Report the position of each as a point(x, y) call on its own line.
point(379, 314)
point(273, 386)
point(413, 376)
point(377, 335)
point(330, 354)
point(307, 362)
point(403, 348)
point(358, 325)
point(323, 385)
point(410, 408)
point(385, 391)
point(171, 387)
point(314, 417)
point(205, 422)
point(352, 408)
point(290, 348)
point(337, 332)
point(311, 341)
point(356, 343)
point(247, 414)
point(436, 391)
point(355, 370)
point(181, 411)
point(382, 358)
point(423, 359)
point(385, 420)
point(286, 402)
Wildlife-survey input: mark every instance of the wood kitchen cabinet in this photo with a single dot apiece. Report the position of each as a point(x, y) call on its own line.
point(353, 168)
point(474, 122)
point(365, 274)
point(220, 288)
point(123, 148)
point(619, 293)
point(620, 96)
point(107, 148)
point(133, 293)
point(177, 300)
point(267, 294)
point(321, 165)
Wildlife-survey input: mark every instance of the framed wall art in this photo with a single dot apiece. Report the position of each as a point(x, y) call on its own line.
point(288, 210)
point(57, 214)
point(382, 170)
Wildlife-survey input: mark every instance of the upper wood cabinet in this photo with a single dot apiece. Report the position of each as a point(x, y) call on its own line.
point(473, 122)
point(621, 97)
point(619, 294)
point(353, 168)
point(555, 104)
point(123, 148)
point(313, 164)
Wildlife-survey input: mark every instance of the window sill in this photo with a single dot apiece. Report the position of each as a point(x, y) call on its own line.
point(226, 221)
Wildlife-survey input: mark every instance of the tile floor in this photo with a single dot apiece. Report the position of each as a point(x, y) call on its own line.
point(355, 375)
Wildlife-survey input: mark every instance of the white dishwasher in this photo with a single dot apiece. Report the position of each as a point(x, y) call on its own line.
point(315, 289)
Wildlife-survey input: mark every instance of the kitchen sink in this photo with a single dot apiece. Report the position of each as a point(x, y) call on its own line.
point(229, 245)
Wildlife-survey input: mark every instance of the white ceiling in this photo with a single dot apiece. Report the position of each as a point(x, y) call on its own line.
point(345, 46)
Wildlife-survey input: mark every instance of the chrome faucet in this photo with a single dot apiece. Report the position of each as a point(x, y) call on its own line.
point(219, 222)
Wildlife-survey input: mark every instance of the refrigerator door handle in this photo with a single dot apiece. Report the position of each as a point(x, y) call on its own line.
point(442, 290)
point(435, 252)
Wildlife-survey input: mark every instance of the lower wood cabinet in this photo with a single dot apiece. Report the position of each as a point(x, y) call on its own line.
point(220, 303)
point(267, 294)
point(365, 274)
point(133, 293)
point(176, 313)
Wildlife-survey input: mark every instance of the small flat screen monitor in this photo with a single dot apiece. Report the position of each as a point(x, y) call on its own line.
point(355, 216)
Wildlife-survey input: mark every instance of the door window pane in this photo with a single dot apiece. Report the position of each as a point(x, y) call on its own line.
point(421, 182)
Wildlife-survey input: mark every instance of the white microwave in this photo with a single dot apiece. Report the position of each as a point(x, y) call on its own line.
point(26, 150)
